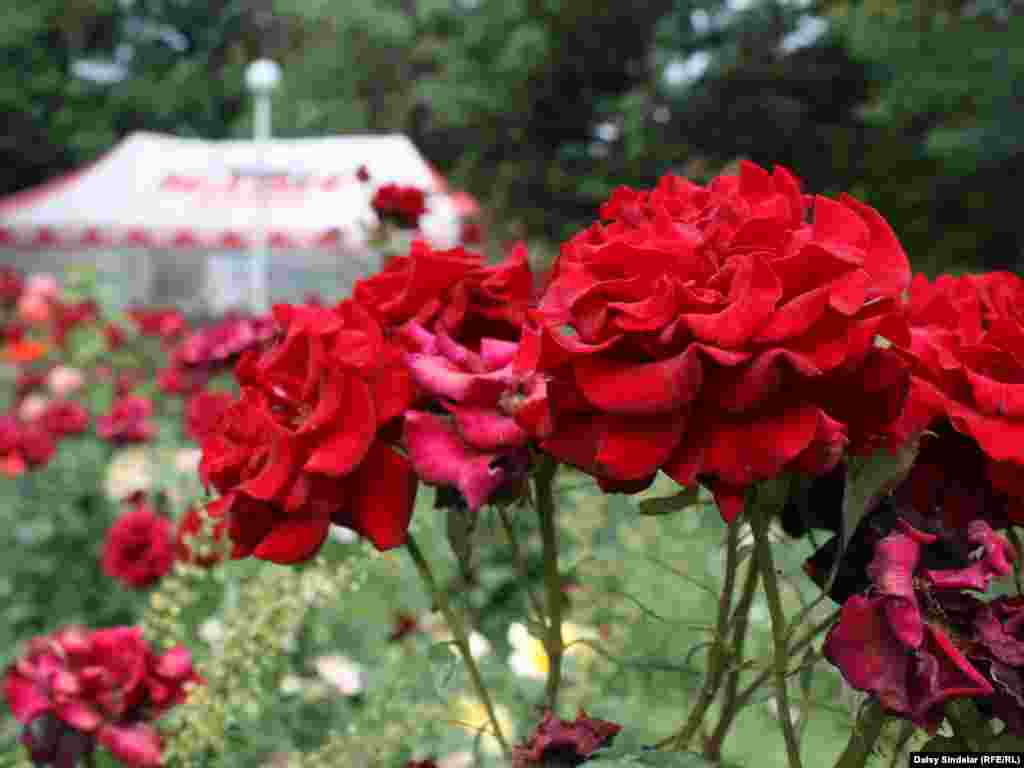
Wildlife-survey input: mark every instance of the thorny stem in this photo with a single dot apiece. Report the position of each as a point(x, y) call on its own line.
point(766, 497)
point(554, 645)
point(750, 690)
point(517, 555)
point(458, 633)
point(718, 653)
point(738, 625)
point(865, 734)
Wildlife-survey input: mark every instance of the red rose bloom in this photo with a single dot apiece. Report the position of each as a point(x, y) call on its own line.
point(301, 448)
point(564, 742)
point(36, 445)
point(12, 284)
point(128, 421)
point(481, 449)
point(68, 316)
point(401, 205)
point(138, 550)
point(703, 331)
point(967, 352)
point(221, 344)
point(166, 323)
point(191, 525)
point(203, 411)
point(75, 688)
point(453, 291)
point(65, 417)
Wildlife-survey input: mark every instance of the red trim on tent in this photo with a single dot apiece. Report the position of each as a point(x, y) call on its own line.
point(185, 238)
point(232, 240)
point(6, 236)
point(45, 236)
point(138, 237)
point(280, 240)
point(93, 237)
point(329, 238)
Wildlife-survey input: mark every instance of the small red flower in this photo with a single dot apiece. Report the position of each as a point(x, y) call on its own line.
point(166, 323)
point(128, 421)
point(191, 525)
point(65, 417)
point(220, 345)
point(139, 549)
point(402, 205)
point(568, 743)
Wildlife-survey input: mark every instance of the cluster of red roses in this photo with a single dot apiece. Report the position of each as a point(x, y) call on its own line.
point(722, 334)
point(45, 411)
point(77, 688)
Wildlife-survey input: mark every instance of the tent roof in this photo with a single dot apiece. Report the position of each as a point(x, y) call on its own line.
point(163, 191)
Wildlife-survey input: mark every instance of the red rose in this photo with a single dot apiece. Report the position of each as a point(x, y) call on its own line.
point(564, 742)
point(65, 417)
point(138, 550)
point(453, 291)
point(301, 448)
point(165, 323)
point(967, 352)
point(402, 205)
point(191, 525)
point(75, 688)
point(36, 445)
point(701, 329)
point(128, 421)
point(203, 411)
point(480, 449)
point(221, 344)
point(12, 284)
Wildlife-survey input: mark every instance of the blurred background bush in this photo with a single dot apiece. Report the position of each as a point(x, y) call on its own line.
point(541, 107)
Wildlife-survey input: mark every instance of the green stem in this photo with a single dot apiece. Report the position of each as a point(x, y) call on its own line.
point(554, 645)
point(817, 629)
point(718, 653)
point(517, 555)
point(739, 623)
point(865, 734)
point(458, 633)
point(767, 498)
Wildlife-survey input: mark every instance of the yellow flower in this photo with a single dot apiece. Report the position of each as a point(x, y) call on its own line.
point(530, 659)
point(472, 714)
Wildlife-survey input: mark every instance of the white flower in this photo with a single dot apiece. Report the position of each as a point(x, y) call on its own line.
point(129, 472)
point(32, 407)
point(186, 461)
point(461, 759)
point(63, 380)
point(343, 535)
point(341, 673)
point(211, 632)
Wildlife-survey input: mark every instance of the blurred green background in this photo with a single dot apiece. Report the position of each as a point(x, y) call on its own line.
point(541, 107)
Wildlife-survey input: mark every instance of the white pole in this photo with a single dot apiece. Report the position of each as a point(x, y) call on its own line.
point(261, 77)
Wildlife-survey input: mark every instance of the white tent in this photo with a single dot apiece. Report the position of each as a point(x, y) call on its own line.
point(175, 219)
